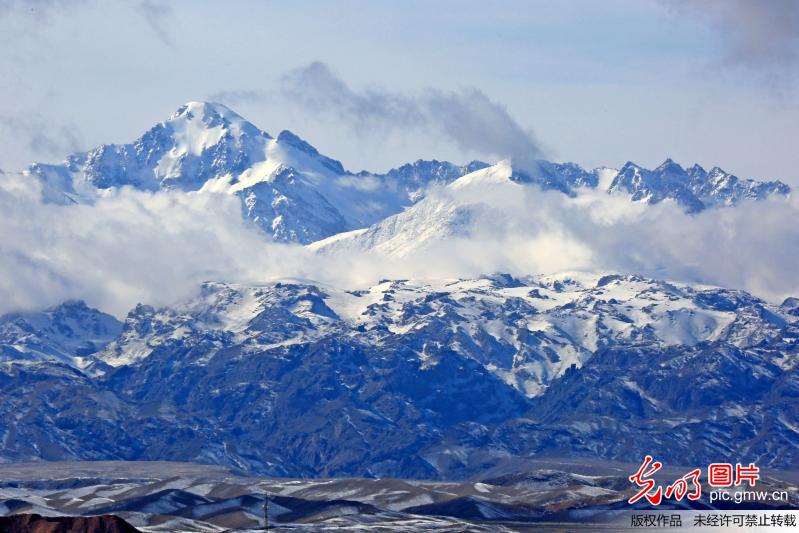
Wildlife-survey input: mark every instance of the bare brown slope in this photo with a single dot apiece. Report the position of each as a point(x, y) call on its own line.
point(34, 523)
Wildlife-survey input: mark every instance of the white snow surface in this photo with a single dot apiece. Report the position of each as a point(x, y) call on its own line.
point(526, 331)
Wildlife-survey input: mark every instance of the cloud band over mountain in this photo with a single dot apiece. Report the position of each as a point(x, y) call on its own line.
point(132, 246)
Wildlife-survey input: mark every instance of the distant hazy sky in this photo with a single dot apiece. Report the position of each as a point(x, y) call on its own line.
point(598, 82)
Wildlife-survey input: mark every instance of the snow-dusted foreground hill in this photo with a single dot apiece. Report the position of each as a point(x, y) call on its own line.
point(425, 379)
point(167, 496)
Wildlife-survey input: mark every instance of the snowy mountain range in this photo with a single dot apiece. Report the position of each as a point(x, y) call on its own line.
point(694, 189)
point(295, 194)
point(62, 334)
point(413, 378)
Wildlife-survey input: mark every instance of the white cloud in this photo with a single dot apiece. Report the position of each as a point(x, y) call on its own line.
point(467, 118)
point(761, 36)
point(42, 137)
point(523, 230)
point(158, 15)
point(129, 247)
point(135, 246)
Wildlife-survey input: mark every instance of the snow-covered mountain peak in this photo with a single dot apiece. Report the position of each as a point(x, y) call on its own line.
point(207, 112)
point(696, 171)
point(295, 141)
point(65, 333)
point(717, 175)
point(455, 211)
point(414, 377)
point(501, 173)
point(199, 142)
point(304, 155)
point(668, 181)
point(630, 166)
point(693, 189)
point(669, 166)
point(197, 126)
point(526, 330)
point(567, 178)
point(294, 193)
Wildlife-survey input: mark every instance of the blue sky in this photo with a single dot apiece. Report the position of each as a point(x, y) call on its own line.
point(598, 82)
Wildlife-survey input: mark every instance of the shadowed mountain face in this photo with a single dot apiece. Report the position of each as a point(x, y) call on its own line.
point(33, 523)
point(434, 379)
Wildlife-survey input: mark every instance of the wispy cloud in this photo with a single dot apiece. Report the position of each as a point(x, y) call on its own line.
point(761, 36)
point(40, 9)
point(158, 15)
point(468, 118)
point(239, 96)
point(44, 139)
